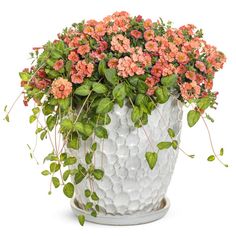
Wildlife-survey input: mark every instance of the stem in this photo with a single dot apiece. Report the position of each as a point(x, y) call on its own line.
point(13, 104)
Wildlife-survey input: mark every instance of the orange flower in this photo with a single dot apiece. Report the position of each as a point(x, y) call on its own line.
point(61, 88)
point(149, 35)
point(201, 66)
point(190, 90)
point(100, 29)
point(73, 56)
point(147, 24)
point(151, 46)
point(112, 63)
point(83, 49)
point(136, 34)
point(190, 75)
point(58, 65)
point(181, 58)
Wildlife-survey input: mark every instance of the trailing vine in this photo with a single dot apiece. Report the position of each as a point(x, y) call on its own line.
point(76, 80)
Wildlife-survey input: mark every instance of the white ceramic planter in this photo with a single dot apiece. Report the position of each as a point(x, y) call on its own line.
point(131, 193)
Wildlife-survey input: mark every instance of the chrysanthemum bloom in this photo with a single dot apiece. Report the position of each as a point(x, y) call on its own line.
point(149, 35)
point(73, 56)
point(182, 58)
point(190, 75)
point(41, 73)
point(61, 88)
point(136, 34)
point(58, 65)
point(208, 84)
point(112, 63)
point(190, 90)
point(120, 43)
point(151, 46)
point(201, 66)
point(83, 49)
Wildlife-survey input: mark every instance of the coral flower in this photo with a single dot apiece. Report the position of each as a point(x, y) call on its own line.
point(61, 88)
point(201, 66)
point(151, 46)
point(149, 35)
point(136, 34)
point(181, 58)
point(73, 56)
point(58, 65)
point(100, 29)
point(147, 24)
point(112, 63)
point(190, 75)
point(190, 90)
point(83, 49)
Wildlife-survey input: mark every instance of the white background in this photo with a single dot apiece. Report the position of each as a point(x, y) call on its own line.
point(202, 194)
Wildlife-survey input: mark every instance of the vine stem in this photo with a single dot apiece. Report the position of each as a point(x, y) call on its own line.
point(13, 104)
point(185, 153)
point(143, 128)
point(211, 142)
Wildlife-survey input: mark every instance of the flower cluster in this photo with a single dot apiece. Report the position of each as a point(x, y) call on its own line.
point(135, 47)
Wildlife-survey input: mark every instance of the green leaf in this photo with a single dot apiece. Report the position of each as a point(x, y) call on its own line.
point(66, 175)
point(142, 86)
point(51, 122)
point(88, 205)
point(94, 196)
point(54, 167)
point(83, 90)
point(211, 158)
point(87, 193)
point(73, 141)
point(101, 119)
point(69, 189)
point(94, 213)
point(94, 147)
point(162, 94)
point(32, 118)
point(110, 75)
point(66, 124)
point(88, 158)
point(171, 133)
point(55, 182)
point(119, 93)
point(101, 132)
point(151, 158)
point(81, 219)
point(79, 176)
point(70, 161)
point(221, 151)
point(47, 109)
point(193, 117)
point(97, 208)
point(64, 103)
point(204, 103)
point(164, 145)
point(98, 174)
point(169, 81)
point(99, 88)
point(84, 128)
point(43, 135)
point(102, 67)
point(7, 118)
point(104, 106)
point(175, 144)
point(45, 172)
point(36, 110)
point(135, 114)
point(24, 76)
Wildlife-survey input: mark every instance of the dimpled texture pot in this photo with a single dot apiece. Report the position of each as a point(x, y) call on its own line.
point(130, 192)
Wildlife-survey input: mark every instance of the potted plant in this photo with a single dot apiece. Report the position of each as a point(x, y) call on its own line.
point(112, 94)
